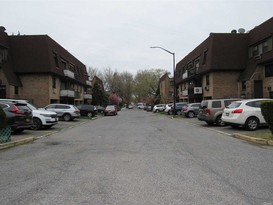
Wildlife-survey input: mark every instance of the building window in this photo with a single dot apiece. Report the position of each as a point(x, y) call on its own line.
point(56, 60)
point(64, 64)
point(179, 73)
point(269, 70)
point(207, 80)
point(260, 48)
point(196, 63)
point(243, 85)
point(205, 57)
point(16, 90)
point(53, 82)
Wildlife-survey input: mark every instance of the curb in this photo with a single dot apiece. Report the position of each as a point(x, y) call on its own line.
point(17, 142)
point(253, 139)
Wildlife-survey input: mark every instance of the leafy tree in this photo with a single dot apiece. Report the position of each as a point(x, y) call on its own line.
point(146, 84)
point(127, 84)
point(97, 95)
point(93, 71)
point(114, 99)
point(3, 120)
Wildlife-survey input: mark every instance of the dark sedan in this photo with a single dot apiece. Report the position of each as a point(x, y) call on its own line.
point(19, 116)
point(111, 110)
point(87, 110)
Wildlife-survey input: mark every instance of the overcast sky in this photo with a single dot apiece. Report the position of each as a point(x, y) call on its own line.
point(119, 33)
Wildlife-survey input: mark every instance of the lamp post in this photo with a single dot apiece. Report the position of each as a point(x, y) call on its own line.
point(174, 88)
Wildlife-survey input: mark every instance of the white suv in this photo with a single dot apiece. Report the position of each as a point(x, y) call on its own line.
point(65, 111)
point(168, 108)
point(159, 108)
point(41, 118)
point(246, 113)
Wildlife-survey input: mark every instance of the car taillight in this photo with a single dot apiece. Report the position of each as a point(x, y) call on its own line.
point(207, 111)
point(16, 110)
point(185, 108)
point(237, 111)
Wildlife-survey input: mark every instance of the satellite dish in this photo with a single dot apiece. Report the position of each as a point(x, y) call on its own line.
point(241, 30)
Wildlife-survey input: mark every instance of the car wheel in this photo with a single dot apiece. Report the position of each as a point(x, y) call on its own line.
point(190, 114)
point(219, 121)
point(89, 114)
point(178, 112)
point(67, 117)
point(252, 123)
point(37, 124)
point(209, 123)
point(169, 112)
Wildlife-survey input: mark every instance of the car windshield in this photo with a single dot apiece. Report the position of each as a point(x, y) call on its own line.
point(112, 107)
point(234, 104)
point(32, 107)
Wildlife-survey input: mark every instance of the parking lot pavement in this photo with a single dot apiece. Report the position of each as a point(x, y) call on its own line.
point(239, 132)
point(31, 135)
point(228, 130)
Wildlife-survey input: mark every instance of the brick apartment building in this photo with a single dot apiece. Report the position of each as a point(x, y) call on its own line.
point(166, 88)
point(36, 68)
point(225, 65)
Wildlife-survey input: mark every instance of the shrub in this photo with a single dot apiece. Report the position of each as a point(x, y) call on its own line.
point(3, 120)
point(267, 112)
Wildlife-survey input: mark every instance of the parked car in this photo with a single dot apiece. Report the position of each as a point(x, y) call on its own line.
point(149, 108)
point(159, 108)
point(130, 106)
point(245, 113)
point(111, 110)
point(140, 105)
point(211, 110)
point(41, 118)
point(100, 109)
point(168, 107)
point(19, 116)
point(191, 110)
point(65, 111)
point(87, 110)
point(178, 108)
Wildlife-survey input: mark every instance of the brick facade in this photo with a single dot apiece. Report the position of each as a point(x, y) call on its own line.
point(229, 65)
point(40, 70)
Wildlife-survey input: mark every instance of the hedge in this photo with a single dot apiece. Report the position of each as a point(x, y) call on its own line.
point(267, 112)
point(3, 120)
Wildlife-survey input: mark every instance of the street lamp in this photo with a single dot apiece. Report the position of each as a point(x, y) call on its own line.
point(174, 88)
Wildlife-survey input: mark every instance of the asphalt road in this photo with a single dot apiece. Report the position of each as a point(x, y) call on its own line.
point(137, 158)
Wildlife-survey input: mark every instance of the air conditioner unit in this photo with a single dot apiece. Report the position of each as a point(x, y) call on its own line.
point(197, 90)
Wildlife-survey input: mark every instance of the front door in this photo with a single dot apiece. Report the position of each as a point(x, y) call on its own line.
point(258, 89)
point(2, 91)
